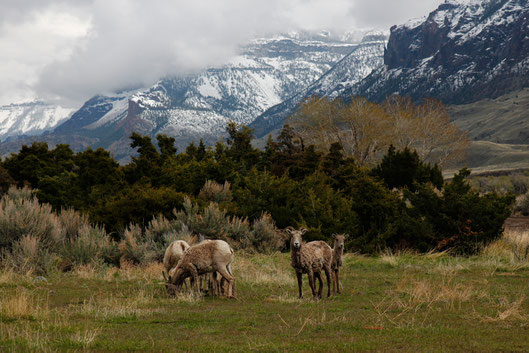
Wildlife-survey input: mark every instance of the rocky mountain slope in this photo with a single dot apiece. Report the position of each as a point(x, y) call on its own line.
point(31, 118)
point(359, 63)
point(267, 72)
point(464, 51)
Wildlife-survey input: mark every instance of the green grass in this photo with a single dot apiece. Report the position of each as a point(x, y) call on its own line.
point(393, 303)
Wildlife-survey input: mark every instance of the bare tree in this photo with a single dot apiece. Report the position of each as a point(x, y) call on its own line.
point(366, 129)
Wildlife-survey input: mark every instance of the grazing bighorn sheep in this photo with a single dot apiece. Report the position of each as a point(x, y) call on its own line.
point(206, 257)
point(310, 258)
point(336, 263)
point(212, 281)
point(173, 254)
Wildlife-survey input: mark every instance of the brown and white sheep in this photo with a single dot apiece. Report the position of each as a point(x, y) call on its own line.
point(336, 263)
point(206, 257)
point(311, 258)
point(211, 281)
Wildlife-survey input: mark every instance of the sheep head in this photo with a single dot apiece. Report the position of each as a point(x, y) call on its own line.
point(295, 236)
point(339, 240)
point(174, 280)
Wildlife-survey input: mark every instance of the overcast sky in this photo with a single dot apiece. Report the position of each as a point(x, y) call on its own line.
point(67, 51)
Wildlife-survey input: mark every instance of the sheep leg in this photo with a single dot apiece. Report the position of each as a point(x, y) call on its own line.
point(327, 270)
point(196, 279)
point(311, 283)
point(300, 284)
point(233, 286)
point(334, 281)
point(338, 280)
point(320, 289)
point(231, 281)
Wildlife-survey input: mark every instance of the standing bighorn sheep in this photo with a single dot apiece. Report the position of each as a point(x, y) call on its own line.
point(336, 263)
point(310, 258)
point(206, 257)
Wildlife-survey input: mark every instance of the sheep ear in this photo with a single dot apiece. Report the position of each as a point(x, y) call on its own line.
point(345, 236)
point(334, 235)
point(303, 230)
point(289, 230)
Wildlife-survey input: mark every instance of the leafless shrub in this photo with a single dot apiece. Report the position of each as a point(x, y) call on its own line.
point(90, 245)
point(509, 310)
point(72, 221)
point(21, 216)
point(265, 236)
point(215, 192)
point(29, 255)
point(134, 248)
point(24, 193)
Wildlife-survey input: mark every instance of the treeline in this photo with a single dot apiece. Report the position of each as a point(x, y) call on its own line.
point(401, 202)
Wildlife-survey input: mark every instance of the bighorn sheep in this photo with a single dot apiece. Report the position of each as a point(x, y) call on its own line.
point(206, 257)
point(211, 281)
point(336, 263)
point(173, 254)
point(310, 258)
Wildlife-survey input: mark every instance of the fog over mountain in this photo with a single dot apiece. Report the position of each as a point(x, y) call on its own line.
point(65, 52)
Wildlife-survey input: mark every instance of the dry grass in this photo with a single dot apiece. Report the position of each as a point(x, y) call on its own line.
point(412, 300)
point(24, 305)
point(428, 292)
point(288, 298)
point(120, 305)
point(447, 269)
point(396, 258)
point(508, 311)
point(85, 338)
point(147, 272)
point(34, 339)
point(518, 241)
point(260, 270)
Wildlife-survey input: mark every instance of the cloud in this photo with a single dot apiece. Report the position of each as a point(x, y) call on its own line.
point(69, 51)
point(385, 13)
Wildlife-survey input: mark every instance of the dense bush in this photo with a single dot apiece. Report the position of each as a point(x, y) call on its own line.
point(241, 194)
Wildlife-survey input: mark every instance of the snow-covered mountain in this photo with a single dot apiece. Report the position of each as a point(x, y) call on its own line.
point(30, 118)
point(267, 72)
point(464, 51)
point(359, 63)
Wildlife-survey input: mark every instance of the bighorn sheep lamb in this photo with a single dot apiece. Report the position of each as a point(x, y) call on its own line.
point(173, 254)
point(310, 258)
point(336, 263)
point(206, 257)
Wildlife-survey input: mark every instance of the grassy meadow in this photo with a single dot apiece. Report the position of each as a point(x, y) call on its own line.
point(391, 303)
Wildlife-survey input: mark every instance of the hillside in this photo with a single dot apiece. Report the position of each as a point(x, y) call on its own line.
point(464, 51)
point(199, 106)
point(358, 64)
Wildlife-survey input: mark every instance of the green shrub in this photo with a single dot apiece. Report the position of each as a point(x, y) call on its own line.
point(265, 237)
point(216, 192)
point(134, 248)
point(72, 221)
point(90, 245)
point(28, 254)
point(22, 216)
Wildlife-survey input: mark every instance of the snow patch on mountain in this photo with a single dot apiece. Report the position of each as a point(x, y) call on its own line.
point(30, 118)
point(462, 52)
